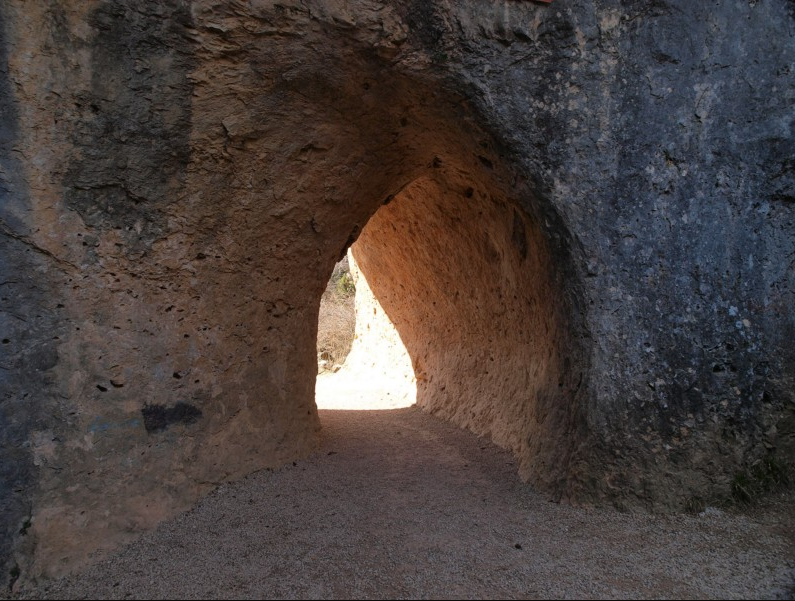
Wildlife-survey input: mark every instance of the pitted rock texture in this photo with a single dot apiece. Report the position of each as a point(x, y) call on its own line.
point(469, 282)
point(178, 179)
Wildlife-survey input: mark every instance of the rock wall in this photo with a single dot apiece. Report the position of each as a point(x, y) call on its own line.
point(480, 303)
point(178, 178)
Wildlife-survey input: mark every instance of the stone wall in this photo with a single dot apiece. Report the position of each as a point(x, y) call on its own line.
point(178, 179)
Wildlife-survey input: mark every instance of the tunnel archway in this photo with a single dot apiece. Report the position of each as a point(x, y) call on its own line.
point(213, 273)
point(180, 192)
point(328, 143)
point(471, 283)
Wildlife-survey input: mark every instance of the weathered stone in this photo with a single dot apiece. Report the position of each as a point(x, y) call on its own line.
point(582, 225)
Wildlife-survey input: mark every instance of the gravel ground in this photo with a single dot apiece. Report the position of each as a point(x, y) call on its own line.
point(398, 504)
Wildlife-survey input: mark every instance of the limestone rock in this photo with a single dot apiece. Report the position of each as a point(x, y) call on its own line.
point(557, 204)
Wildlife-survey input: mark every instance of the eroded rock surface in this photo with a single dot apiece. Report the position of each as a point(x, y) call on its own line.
point(178, 179)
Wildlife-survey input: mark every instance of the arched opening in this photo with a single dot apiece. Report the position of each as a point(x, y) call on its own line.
point(363, 363)
point(287, 151)
point(461, 306)
point(335, 147)
point(190, 181)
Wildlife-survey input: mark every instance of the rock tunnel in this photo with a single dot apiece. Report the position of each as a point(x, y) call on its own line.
point(578, 224)
point(470, 283)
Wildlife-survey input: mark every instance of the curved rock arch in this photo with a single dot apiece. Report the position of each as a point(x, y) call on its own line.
point(469, 281)
point(180, 177)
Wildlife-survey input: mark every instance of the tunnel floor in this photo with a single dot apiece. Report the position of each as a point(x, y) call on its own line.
point(399, 504)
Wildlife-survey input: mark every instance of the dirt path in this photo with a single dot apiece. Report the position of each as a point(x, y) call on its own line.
point(400, 504)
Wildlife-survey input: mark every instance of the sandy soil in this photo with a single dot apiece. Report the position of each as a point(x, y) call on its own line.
point(397, 504)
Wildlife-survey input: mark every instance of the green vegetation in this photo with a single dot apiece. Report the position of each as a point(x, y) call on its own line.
point(345, 285)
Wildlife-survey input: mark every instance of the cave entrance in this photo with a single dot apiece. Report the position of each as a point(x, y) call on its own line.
point(459, 305)
point(362, 361)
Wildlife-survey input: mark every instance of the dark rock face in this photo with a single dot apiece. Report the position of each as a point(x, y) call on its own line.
point(667, 154)
point(133, 122)
point(179, 178)
point(29, 321)
point(15, 462)
point(695, 238)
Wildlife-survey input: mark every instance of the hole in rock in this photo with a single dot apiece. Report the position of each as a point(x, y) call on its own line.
point(362, 363)
point(460, 306)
